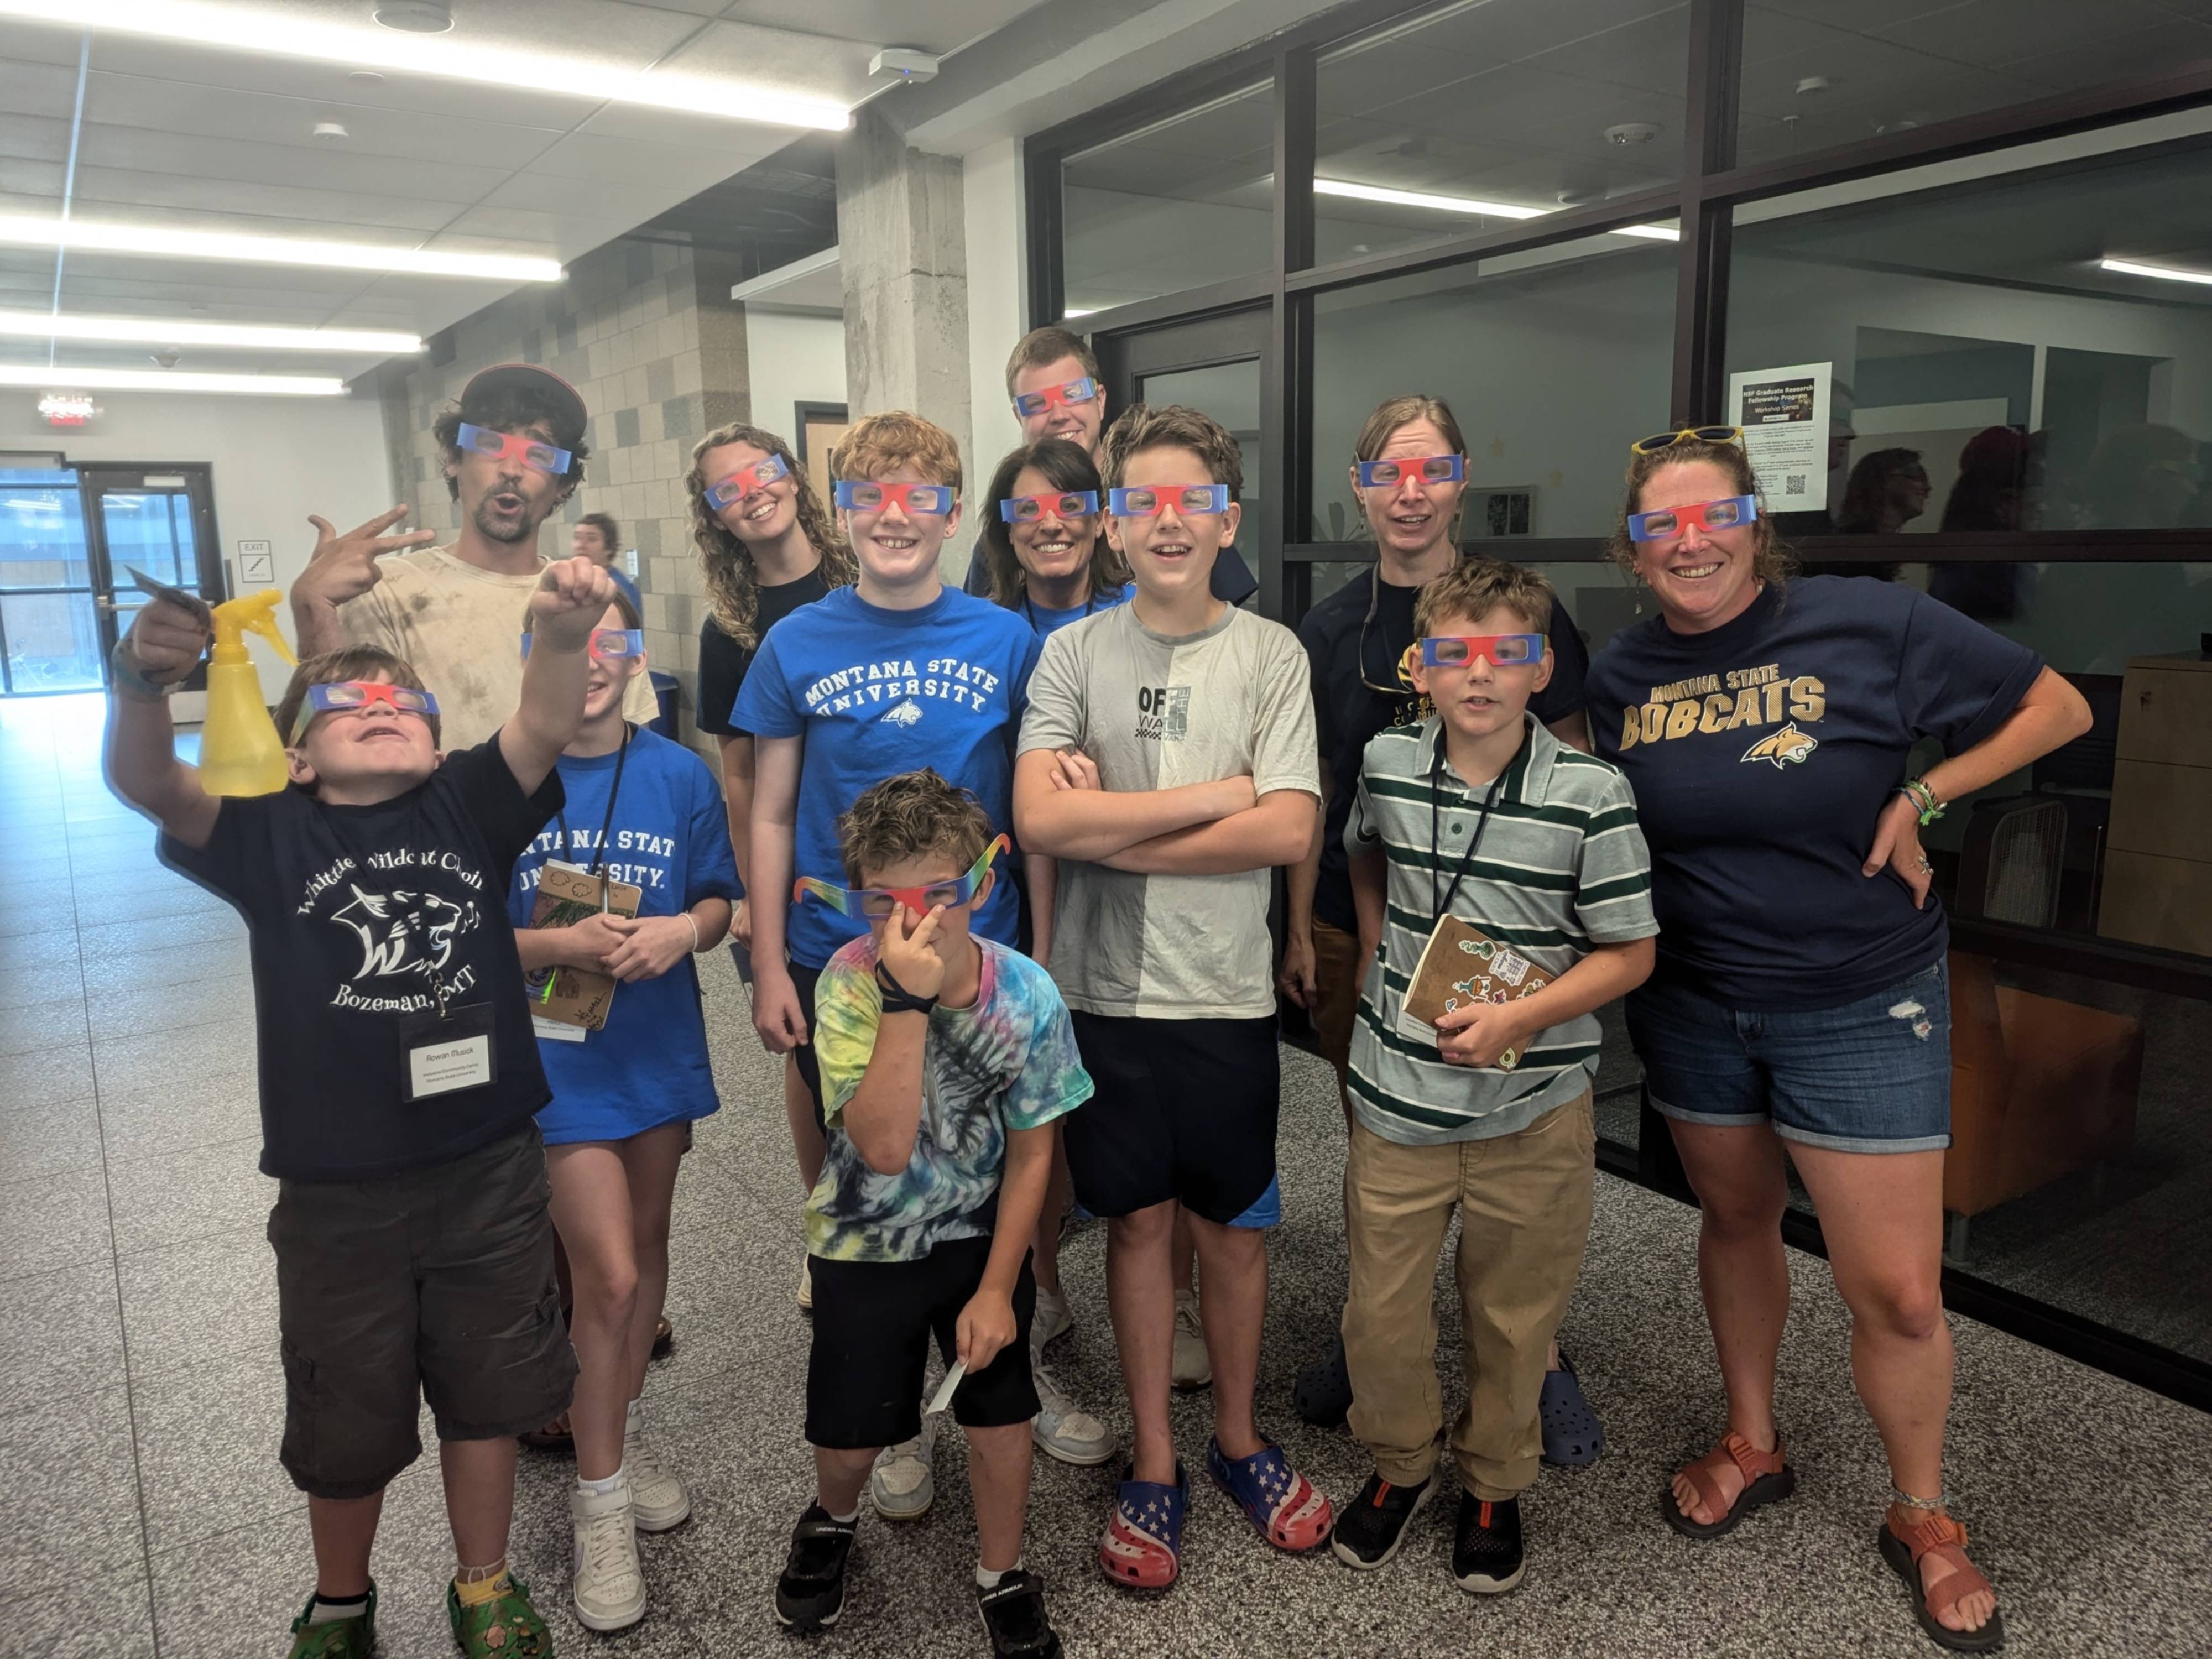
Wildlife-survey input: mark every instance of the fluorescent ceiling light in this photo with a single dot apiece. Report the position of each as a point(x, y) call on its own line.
point(1079, 310)
point(161, 330)
point(158, 379)
point(194, 23)
point(2128, 267)
point(1650, 233)
point(1416, 198)
point(159, 240)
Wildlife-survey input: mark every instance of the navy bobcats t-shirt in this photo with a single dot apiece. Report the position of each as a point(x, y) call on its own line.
point(1761, 754)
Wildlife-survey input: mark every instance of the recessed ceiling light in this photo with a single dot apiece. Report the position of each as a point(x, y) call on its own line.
point(286, 34)
point(153, 380)
point(2166, 273)
point(415, 16)
point(331, 130)
point(161, 242)
point(1419, 198)
point(165, 330)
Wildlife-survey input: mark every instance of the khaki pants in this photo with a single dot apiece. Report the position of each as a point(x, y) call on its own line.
point(1338, 969)
point(1524, 1204)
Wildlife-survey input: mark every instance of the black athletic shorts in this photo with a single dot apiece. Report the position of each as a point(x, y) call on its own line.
point(810, 1069)
point(1185, 1109)
point(872, 1323)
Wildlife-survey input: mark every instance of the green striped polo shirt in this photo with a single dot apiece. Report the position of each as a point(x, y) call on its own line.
point(1562, 867)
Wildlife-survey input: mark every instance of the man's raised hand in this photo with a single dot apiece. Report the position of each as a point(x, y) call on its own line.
point(345, 566)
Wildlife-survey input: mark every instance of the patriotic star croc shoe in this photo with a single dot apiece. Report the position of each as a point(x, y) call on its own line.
point(1143, 1546)
point(1288, 1510)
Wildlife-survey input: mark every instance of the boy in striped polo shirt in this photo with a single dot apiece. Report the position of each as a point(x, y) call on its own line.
point(1480, 813)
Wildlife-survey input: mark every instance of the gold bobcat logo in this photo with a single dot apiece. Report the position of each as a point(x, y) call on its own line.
point(1787, 747)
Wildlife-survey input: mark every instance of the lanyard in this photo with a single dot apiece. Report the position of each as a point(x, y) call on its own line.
point(409, 916)
point(599, 859)
point(1439, 906)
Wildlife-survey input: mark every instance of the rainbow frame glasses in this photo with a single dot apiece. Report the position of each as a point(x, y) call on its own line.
point(1067, 503)
point(352, 696)
point(876, 903)
point(1147, 501)
point(608, 644)
point(1031, 404)
point(745, 481)
point(1668, 522)
point(533, 453)
point(1704, 434)
point(928, 501)
point(1500, 650)
point(1414, 469)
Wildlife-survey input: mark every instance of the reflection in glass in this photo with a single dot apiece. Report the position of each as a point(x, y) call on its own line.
point(1229, 393)
point(152, 533)
point(41, 531)
point(53, 642)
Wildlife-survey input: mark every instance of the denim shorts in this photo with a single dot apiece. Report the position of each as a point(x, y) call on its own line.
point(1872, 1076)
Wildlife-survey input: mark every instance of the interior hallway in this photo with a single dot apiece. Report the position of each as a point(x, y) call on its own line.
point(141, 1398)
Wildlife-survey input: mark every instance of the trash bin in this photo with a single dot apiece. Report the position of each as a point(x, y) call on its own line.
point(663, 693)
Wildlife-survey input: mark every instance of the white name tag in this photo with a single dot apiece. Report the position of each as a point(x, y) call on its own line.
point(555, 1030)
point(438, 1068)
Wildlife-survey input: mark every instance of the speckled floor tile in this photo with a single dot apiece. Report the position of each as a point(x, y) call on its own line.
point(205, 1299)
point(42, 1138)
point(64, 1333)
point(43, 1025)
point(60, 1621)
point(194, 1192)
point(73, 1513)
point(54, 1221)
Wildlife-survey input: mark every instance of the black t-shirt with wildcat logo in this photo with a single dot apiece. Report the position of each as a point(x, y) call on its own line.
point(354, 912)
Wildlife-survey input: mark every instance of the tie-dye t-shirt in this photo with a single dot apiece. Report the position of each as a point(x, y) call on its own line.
point(1007, 1062)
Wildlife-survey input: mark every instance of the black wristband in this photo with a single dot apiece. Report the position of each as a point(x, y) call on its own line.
point(897, 999)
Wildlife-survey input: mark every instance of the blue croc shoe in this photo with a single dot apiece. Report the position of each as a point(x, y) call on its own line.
point(1572, 1436)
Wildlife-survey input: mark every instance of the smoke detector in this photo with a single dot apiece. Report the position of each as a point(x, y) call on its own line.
point(330, 131)
point(1812, 83)
point(905, 62)
point(415, 16)
point(1632, 132)
point(168, 356)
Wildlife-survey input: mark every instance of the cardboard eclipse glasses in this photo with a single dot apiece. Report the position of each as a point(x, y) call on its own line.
point(1502, 650)
point(607, 643)
point(746, 480)
point(1668, 522)
point(876, 903)
point(929, 501)
point(1149, 500)
point(1030, 405)
point(1413, 469)
point(1067, 504)
point(533, 453)
point(352, 696)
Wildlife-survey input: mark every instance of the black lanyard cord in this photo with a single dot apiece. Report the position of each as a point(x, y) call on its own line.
point(599, 859)
point(1439, 906)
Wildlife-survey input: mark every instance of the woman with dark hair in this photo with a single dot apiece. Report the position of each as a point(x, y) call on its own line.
point(1800, 1000)
point(1887, 490)
point(1991, 494)
point(1041, 537)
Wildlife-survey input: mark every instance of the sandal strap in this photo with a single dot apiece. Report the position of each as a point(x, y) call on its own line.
point(1940, 1536)
point(1704, 1474)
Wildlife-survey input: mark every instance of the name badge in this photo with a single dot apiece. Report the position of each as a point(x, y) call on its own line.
point(444, 1055)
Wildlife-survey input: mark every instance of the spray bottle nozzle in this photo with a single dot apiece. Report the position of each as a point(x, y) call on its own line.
point(256, 611)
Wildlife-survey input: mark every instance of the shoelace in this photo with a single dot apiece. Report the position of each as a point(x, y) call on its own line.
point(602, 1552)
point(642, 1461)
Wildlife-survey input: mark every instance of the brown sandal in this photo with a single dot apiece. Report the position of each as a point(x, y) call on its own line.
point(1945, 1539)
point(554, 1437)
point(1767, 1479)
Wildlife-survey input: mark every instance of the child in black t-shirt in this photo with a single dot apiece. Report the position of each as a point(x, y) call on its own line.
point(399, 1081)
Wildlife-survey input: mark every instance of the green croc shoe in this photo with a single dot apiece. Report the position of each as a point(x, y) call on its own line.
point(505, 1627)
point(335, 1638)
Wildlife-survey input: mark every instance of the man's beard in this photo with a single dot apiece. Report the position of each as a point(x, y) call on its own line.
point(524, 529)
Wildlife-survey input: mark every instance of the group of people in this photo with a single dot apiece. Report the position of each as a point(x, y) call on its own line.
point(998, 866)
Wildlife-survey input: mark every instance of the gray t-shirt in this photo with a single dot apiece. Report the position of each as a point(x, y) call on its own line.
point(1156, 712)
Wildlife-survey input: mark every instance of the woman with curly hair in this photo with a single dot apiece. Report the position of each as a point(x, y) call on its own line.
point(767, 545)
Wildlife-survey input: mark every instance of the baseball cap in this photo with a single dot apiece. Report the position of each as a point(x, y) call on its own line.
point(569, 417)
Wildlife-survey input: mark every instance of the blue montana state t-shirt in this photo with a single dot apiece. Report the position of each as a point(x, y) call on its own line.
point(668, 837)
point(874, 693)
point(1048, 620)
point(1761, 754)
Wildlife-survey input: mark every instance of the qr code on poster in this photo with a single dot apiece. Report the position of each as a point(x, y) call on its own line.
point(1793, 484)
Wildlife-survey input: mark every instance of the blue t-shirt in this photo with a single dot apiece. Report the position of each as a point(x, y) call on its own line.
point(1045, 619)
point(1761, 754)
point(878, 692)
point(667, 836)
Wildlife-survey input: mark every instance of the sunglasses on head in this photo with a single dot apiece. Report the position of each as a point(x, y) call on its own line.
point(1704, 434)
point(1149, 500)
point(1502, 650)
point(607, 643)
point(746, 480)
point(350, 696)
point(933, 500)
point(876, 903)
point(533, 453)
point(1080, 390)
point(1068, 504)
point(1419, 469)
point(1669, 522)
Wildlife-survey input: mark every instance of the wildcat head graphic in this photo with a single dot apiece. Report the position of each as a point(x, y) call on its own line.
point(1787, 747)
point(390, 945)
point(907, 714)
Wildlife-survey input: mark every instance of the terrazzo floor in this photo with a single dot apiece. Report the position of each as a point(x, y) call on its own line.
point(141, 1397)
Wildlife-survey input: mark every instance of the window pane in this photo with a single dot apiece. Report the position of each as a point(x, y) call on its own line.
point(1990, 373)
point(1500, 111)
point(41, 535)
point(152, 533)
point(1817, 74)
point(53, 642)
point(1551, 362)
point(1183, 203)
point(1229, 393)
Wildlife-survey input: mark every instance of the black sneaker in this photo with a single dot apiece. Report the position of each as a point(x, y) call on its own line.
point(1487, 1557)
point(1370, 1528)
point(1014, 1618)
point(810, 1594)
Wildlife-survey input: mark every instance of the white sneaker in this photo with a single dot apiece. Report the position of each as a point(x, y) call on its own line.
point(608, 1586)
point(806, 1283)
point(1053, 1319)
point(1190, 1368)
point(658, 1497)
point(901, 1485)
point(1061, 1428)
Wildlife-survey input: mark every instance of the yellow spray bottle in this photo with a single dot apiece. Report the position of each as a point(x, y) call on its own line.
point(241, 753)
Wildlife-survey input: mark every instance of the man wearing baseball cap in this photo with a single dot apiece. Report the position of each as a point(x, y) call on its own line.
point(512, 453)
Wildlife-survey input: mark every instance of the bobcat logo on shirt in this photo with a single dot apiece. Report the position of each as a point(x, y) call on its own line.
point(1787, 747)
point(389, 944)
point(905, 714)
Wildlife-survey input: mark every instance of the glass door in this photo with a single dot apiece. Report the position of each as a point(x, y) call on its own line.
point(157, 519)
point(50, 636)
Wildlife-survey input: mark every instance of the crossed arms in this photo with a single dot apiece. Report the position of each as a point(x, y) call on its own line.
point(1219, 827)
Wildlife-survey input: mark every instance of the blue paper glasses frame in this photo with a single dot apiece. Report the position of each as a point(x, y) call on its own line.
point(1501, 650)
point(746, 480)
point(1149, 500)
point(1668, 522)
point(1418, 469)
point(608, 643)
point(533, 453)
point(1068, 504)
point(1030, 405)
point(350, 696)
point(876, 903)
point(931, 501)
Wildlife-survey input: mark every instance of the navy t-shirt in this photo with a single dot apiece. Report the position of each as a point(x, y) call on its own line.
point(875, 693)
point(1761, 754)
point(724, 663)
point(1349, 714)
